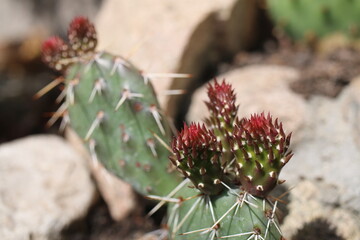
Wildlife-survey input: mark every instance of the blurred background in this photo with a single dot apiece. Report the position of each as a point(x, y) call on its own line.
point(297, 59)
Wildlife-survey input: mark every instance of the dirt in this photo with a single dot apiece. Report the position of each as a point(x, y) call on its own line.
point(98, 224)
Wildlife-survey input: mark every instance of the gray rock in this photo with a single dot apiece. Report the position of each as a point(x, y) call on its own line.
point(44, 185)
point(330, 147)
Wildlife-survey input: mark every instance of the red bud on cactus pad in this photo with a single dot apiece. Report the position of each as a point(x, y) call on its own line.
point(197, 155)
point(53, 51)
point(82, 39)
point(222, 101)
point(223, 113)
point(261, 149)
point(82, 35)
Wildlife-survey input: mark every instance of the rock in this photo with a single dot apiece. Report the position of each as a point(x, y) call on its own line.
point(174, 36)
point(330, 147)
point(118, 195)
point(259, 88)
point(308, 208)
point(44, 186)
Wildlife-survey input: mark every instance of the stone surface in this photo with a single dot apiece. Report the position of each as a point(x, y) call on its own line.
point(330, 147)
point(44, 185)
point(308, 204)
point(118, 195)
point(167, 36)
point(259, 88)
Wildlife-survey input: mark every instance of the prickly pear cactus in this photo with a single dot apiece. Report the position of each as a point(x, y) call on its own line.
point(224, 197)
point(304, 18)
point(229, 165)
point(113, 108)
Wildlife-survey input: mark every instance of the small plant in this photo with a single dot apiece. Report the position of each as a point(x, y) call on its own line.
point(303, 19)
point(228, 165)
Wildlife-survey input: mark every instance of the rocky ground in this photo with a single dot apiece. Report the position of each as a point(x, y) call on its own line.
point(49, 189)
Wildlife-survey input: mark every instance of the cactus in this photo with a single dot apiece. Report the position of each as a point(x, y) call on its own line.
point(229, 165)
point(305, 18)
point(112, 106)
point(227, 197)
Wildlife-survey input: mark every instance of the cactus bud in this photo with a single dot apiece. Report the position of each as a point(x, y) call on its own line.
point(261, 150)
point(223, 113)
point(82, 35)
point(54, 50)
point(197, 156)
point(222, 102)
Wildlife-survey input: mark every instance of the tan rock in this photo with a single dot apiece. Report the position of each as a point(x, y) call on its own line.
point(158, 35)
point(44, 186)
point(117, 194)
point(259, 88)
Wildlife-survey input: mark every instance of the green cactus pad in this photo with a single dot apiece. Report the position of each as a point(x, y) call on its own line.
point(230, 215)
point(113, 108)
point(116, 113)
point(301, 18)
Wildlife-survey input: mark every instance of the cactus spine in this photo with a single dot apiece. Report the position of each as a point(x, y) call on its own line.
point(113, 108)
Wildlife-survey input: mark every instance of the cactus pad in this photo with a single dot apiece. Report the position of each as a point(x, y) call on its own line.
point(113, 108)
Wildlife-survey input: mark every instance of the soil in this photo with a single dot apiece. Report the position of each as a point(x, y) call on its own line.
point(98, 224)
